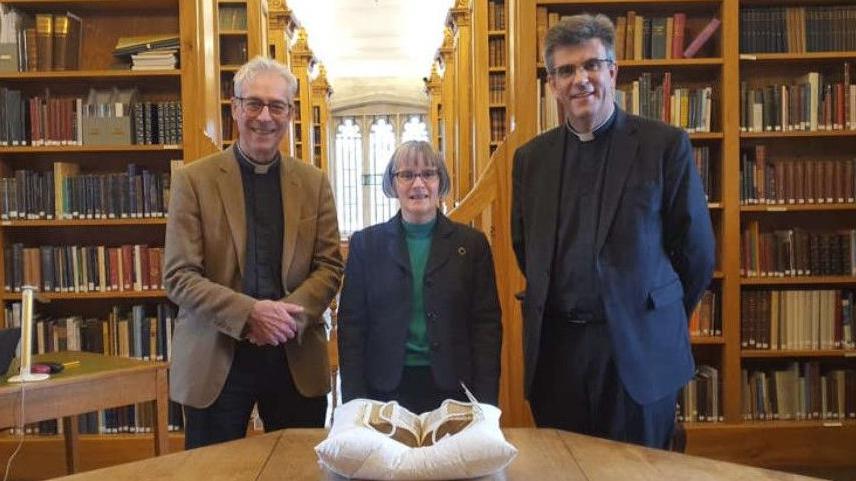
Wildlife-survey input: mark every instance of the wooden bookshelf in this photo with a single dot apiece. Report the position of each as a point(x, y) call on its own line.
point(434, 89)
point(722, 64)
point(242, 32)
point(490, 47)
point(190, 85)
point(320, 101)
point(301, 62)
point(283, 27)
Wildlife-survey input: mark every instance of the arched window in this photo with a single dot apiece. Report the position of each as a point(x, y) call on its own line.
point(415, 129)
point(360, 160)
point(381, 146)
point(348, 170)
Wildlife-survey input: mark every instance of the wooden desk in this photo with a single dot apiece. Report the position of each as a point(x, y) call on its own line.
point(544, 455)
point(99, 382)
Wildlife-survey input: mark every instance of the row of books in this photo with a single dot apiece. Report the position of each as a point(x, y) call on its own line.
point(495, 15)
point(160, 59)
point(797, 319)
point(232, 17)
point(798, 29)
point(688, 108)
point(705, 319)
point(810, 104)
point(64, 193)
point(138, 331)
point(799, 391)
point(700, 400)
point(638, 37)
point(40, 43)
point(496, 87)
point(496, 52)
point(497, 125)
point(796, 252)
point(64, 120)
point(82, 269)
point(794, 181)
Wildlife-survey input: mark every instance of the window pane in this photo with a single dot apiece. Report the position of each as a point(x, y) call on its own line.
point(378, 207)
point(348, 169)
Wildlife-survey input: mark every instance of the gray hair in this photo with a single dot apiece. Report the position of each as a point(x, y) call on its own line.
point(258, 65)
point(576, 30)
point(410, 152)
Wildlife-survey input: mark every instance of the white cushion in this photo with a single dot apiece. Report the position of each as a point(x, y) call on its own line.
point(356, 450)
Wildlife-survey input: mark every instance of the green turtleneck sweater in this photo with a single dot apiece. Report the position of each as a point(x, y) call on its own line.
point(418, 238)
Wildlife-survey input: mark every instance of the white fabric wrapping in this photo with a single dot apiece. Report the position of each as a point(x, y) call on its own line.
point(356, 451)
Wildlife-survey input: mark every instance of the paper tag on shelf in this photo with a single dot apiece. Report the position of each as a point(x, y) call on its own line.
point(832, 424)
point(748, 56)
point(777, 209)
point(171, 146)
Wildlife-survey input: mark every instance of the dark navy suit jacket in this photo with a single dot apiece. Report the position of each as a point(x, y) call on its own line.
point(461, 309)
point(654, 248)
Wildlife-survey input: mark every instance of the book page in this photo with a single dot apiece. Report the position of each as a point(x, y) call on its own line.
point(393, 421)
point(450, 418)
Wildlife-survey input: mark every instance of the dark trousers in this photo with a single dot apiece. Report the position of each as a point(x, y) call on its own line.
point(577, 388)
point(417, 391)
point(259, 374)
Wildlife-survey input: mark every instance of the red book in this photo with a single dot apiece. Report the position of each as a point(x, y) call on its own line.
point(702, 38)
point(679, 25)
point(127, 267)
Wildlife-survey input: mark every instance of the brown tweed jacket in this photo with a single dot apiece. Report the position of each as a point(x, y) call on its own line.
point(204, 262)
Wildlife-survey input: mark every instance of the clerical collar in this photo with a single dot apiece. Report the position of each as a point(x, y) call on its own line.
point(258, 168)
point(598, 130)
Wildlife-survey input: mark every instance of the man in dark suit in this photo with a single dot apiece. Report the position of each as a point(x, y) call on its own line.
point(611, 229)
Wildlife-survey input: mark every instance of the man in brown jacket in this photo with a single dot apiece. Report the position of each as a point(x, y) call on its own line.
point(253, 261)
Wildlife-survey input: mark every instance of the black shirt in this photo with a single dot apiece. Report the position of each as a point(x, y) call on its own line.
point(574, 291)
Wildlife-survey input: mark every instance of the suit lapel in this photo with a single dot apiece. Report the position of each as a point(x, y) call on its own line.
point(545, 193)
point(622, 153)
point(395, 243)
point(291, 195)
point(441, 244)
point(232, 195)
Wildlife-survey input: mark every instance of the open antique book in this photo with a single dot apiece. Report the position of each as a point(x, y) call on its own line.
point(425, 429)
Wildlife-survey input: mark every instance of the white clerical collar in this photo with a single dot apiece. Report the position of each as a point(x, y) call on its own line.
point(258, 168)
point(589, 136)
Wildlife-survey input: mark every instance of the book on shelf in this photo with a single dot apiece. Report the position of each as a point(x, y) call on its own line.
point(129, 45)
point(798, 391)
point(699, 399)
point(702, 38)
point(786, 319)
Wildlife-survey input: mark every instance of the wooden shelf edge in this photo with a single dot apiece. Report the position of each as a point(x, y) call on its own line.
point(150, 294)
point(706, 340)
point(777, 208)
point(798, 134)
point(774, 354)
point(88, 75)
point(83, 222)
point(761, 281)
point(89, 148)
point(749, 58)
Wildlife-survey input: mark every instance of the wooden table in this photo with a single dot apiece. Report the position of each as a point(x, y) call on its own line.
point(99, 382)
point(544, 455)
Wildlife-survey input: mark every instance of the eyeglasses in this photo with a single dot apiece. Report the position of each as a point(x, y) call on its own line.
point(408, 176)
point(591, 66)
point(253, 106)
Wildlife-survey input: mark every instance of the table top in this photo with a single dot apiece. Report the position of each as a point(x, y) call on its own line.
point(544, 454)
point(91, 366)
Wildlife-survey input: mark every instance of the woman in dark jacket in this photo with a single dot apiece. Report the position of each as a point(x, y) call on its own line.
point(419, 311)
